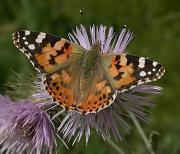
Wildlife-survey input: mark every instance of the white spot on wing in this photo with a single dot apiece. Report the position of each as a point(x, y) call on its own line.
point(142, 73)
point(24, 49)
point(141, 65)
point(26, 43)
point(38, 40)
point(132, 87)
point(113, 97)
point(31, 46)
point(21, 50)
point(141, 62)
point(147, 80)
point(27, 32)
point(43, 33)
point(140, 82)
point(149, 72)
point(28, 55)
point(123, 90)
point(40, 37)
point(154, 64)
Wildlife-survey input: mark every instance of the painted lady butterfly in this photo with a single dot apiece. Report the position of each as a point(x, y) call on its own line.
point(83, 80)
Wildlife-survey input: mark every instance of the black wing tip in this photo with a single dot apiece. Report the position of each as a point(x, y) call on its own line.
point(15, 38)
point(162, 71)
point(17, 35)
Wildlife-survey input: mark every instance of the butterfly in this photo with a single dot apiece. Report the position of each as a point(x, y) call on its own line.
point(86, 81)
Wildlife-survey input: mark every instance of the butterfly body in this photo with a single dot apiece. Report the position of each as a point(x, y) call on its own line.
point(91, 58)
point(86, 81)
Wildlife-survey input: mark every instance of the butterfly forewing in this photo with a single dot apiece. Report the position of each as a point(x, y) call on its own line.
point(127, 71)
point(46, 52)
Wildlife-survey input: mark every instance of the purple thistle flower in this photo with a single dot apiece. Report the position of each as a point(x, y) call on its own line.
point(25, 128)
point(110, 121)
point(108, 42)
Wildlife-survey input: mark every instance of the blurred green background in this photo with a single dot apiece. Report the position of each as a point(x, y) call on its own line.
point(156, 25)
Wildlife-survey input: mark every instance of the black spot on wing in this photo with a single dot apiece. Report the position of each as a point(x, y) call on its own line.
point(117, 57)
point(133, 59)
point(118, 66)
point(66, 45)
point(119, 76)
point(60, 52)
point(52, 60)
point(52, 41)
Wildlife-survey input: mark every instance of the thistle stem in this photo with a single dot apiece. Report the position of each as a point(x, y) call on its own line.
point(142, 134)
point(115, 146)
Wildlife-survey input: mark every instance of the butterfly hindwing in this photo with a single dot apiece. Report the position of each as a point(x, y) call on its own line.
point(62, 86)
point(127, 71)
point(99, 94)
point(46, 52)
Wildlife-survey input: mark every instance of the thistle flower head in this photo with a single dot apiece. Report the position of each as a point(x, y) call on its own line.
point(25, 128)
point(108, 41)
point(110, 121)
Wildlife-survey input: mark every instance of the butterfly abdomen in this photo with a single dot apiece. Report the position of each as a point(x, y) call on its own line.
point(88, 70)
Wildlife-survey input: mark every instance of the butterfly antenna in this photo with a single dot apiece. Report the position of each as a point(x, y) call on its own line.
point(82, 15)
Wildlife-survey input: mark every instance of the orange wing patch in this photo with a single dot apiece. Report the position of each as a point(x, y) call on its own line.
point(121, 72)
point(102, 97)
point(52, 55)
point(58, 85)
